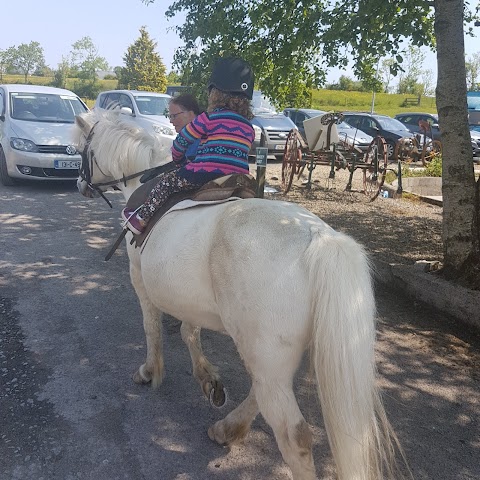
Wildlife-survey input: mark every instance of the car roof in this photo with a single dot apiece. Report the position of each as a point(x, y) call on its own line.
point(20, 88)
point(139, 92)
point(367, 113)
point(403, 114)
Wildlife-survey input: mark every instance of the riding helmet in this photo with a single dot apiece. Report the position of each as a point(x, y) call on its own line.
point(232, 75)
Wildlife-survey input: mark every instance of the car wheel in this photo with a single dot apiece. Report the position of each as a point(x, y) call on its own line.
point(5, 179)
point(391, 150)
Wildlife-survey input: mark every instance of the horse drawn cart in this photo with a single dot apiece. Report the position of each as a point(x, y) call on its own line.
point(324, 146)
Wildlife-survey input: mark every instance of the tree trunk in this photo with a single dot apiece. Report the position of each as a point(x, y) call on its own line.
point(460, 203)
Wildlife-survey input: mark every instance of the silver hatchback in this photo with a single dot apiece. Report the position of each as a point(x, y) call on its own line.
point(36, 125)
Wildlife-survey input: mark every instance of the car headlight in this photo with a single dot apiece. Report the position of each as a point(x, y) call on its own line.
point(23, 144)
point(258, 133)
point(164, 129)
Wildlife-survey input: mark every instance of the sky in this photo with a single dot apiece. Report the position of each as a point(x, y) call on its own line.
point(113, 25)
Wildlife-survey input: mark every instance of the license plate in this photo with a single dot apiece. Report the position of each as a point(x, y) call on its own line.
point(67, 164)
point(279, 147)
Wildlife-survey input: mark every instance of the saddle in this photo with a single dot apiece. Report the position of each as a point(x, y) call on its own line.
point(222, 188)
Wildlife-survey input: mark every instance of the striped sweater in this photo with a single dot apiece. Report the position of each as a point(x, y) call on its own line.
point(225, 140)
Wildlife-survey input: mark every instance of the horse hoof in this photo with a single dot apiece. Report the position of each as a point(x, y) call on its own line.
point(139, 378)
point(218, 397)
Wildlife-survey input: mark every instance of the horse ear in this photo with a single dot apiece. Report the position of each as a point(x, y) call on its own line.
point(81, 122)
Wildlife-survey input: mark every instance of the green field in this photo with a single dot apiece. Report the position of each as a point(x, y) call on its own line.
point(336, 100)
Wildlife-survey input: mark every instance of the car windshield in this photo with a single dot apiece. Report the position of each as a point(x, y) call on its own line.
point(152, 105)
point(261, 104)
point(391, 124)
point(44, 107)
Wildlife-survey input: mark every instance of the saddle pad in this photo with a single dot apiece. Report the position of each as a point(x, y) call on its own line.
point(222, 188)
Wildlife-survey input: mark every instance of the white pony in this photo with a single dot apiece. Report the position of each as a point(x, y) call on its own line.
point(278, 280)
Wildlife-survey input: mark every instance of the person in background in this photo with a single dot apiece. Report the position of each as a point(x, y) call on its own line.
point(225, 135)
point(182, 110)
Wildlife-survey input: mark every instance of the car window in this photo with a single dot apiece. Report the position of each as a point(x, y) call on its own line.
point(391, 124)
point(409, 119)
point(299, 119)
point(110, 100)
point(43, 107)
point(2, 103)
point(124, 101)
point(353, 121)
point(152, 105)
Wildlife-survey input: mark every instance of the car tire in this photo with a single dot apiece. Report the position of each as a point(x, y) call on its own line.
point(391, 150)
point(5, 179)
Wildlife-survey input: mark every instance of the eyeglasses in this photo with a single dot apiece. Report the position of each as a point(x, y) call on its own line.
point(173, 116)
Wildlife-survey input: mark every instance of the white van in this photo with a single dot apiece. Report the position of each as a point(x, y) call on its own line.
point(36, 126)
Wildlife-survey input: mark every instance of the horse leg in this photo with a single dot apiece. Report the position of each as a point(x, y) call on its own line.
point(153, 368)
point(279, 407)
point(204, 372)
point(235, 426)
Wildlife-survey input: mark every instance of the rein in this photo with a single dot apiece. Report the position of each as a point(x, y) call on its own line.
point(86, 169)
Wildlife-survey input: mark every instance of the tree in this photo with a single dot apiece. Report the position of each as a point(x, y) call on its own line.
point(61, 73)
point(411, 72)
point(27, 58)
point(144, 69)
point(473, 71)
point(5, 62)
point(86, 61)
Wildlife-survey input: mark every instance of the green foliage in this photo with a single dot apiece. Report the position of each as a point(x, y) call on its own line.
point(144, 69)
point(86, 60)
point(26, 58)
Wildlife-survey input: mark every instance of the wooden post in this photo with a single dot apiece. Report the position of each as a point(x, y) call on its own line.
point(261, 162)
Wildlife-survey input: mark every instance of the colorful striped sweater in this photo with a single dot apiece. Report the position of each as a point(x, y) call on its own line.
point(225, 140)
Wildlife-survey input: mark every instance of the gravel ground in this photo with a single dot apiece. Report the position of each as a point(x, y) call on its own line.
point(394, 230)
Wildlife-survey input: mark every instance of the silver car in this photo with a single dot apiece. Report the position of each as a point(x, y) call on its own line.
point(36, 126)
point(148, 110)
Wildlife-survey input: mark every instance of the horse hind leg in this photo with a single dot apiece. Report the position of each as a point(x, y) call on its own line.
point(153, 368)
point(235, 426)
point(204, 372)
point(279, 407)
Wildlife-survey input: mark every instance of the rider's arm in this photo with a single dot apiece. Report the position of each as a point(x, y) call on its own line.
point(193, 131)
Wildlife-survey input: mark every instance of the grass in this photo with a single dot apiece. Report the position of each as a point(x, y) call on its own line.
point(336, 100)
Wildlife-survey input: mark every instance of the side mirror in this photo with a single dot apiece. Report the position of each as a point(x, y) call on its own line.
point(435, 125)
point(126, 111)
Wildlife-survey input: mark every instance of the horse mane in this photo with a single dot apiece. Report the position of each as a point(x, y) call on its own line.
point(120, 146)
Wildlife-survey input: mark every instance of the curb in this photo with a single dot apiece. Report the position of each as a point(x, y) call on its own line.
point(459, 302)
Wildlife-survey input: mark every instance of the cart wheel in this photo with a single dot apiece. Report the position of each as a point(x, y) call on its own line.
point(375, 169)
point(405, 149)
point(432, 149)
point(291, 160)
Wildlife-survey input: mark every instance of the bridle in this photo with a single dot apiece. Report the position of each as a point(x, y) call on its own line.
point(87, 165)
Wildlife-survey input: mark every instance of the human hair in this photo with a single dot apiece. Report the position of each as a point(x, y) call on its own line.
point(186, 101)
point(237, 103)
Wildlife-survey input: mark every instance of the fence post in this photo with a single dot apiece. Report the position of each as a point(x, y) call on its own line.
point(261, 162)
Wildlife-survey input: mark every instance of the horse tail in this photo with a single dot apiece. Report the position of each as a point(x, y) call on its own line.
point(361, 439)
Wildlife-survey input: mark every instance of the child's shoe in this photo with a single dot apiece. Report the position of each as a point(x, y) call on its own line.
point(133, 222)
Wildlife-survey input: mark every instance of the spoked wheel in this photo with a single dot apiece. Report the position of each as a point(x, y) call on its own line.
point(374, 171)
point(432, 149)
point(291, 159)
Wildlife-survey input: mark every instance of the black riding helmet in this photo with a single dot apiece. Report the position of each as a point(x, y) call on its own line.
point(232, 75)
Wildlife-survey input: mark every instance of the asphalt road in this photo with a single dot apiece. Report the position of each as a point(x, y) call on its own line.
point(71, 336)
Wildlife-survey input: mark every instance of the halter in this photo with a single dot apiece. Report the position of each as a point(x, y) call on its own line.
point(86, 169)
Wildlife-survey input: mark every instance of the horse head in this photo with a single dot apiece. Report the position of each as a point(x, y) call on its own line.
point(115, 152)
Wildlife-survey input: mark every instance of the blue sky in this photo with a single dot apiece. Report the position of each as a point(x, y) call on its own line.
point(113, 25)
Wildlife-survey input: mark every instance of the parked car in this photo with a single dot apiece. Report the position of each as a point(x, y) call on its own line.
point(36, 125)
point(473, 105)
point(411, 119)
point(271, 128)
point(374, 124)
point(148, 110)
point(346, 133)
